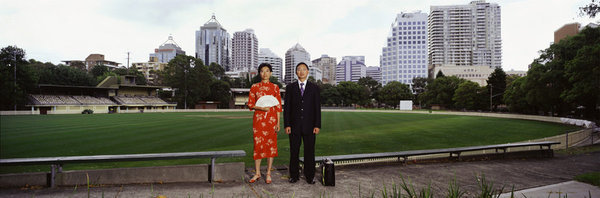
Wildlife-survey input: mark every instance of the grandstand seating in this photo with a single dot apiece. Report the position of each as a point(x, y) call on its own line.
point(41, 99)
point(93, 100)
point(69, 100)
point(139, 100)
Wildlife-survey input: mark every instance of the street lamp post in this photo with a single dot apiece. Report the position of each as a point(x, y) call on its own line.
point(491, 95)
point(15, 77)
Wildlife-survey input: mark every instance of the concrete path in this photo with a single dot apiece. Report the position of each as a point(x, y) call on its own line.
point(367, 180)
point(564, 189)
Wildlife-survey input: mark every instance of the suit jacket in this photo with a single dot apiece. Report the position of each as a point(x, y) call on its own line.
point(302, 113)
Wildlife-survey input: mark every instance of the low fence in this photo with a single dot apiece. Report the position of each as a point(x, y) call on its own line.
point(566, 140)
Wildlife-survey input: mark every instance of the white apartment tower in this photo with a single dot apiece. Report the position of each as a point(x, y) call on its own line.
point(465, 35)
point(167, 51)
point(405, 55)
point(293, 56)
point(350, 68)
point(213, 44)
point(267, 56)
point(244, 51)
point(327, 65)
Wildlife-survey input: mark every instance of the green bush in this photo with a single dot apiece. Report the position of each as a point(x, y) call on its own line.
point(590, 178)
point(87, 111)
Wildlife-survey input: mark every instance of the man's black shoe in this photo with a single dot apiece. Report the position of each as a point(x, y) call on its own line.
point(293, 180)
point(310, 181)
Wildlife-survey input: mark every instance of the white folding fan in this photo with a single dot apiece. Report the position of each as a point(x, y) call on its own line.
point(267, 101)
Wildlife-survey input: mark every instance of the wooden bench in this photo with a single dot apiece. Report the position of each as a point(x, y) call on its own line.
point(454, 152)
point(56, 163)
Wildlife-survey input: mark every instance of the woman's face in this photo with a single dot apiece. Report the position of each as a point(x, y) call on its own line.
point(265, 73)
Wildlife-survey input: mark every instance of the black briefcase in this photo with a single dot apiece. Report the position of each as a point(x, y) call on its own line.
point(328, 169)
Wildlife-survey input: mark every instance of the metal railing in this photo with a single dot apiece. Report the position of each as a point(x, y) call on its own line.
point(56, 163)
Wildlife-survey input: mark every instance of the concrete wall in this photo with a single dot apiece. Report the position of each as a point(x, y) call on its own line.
point(224, 172)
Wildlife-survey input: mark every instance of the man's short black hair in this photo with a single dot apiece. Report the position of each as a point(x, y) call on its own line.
point(265, 65)
point(302, 63)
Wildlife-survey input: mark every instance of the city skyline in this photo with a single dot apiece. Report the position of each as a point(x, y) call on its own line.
point(69, 30)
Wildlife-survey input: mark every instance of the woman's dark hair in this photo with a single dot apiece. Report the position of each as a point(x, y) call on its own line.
point(265, 65)
point(302, 63)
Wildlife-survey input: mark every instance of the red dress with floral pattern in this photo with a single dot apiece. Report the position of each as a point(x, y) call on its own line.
point(263, 123)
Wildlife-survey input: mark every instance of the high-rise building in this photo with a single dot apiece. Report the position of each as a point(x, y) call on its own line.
point(350, 68)
point(244, 48)
point(315, 72)
point(465, 35)
point(150, 68)
point(293, 56)
point(213, 44)
point(267, 56)
point(570, 29)
point(327, 65)
point(374, 72)
point(405, 55)
point(167, 51)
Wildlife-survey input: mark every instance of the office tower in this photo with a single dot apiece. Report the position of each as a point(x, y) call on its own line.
point(293, 56)
point(167, 51)
point(213, 44)
point(350, 68)
point(244, 48)
point(267, 56)
point(405, 55)
point(327, 65)
point(374, 72)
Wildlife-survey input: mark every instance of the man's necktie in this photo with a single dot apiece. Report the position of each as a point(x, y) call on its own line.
point(302, 89)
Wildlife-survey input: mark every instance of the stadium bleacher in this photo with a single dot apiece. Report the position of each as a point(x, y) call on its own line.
point(139, 100)
point(41, 99)
point(69, 100)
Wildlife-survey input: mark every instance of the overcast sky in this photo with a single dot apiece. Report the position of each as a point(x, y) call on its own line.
point(56, 30)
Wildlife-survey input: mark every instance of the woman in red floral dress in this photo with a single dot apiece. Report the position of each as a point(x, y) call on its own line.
point(265, 122)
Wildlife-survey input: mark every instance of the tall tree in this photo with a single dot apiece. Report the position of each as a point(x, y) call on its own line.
point(17, 79)
point(190, 78)
point(583, 72)
point(497, 82)
point(352, 93)
point(441, 91)
point(79, 65)
point(515, 97)
point(372, 86)
point(590, 9)
point(393, 92)
point(216, 70)
point(470, 96)
point(98, 70)
point(65, 75)
point(419, 84)
point(330, 95)
point(220, 91)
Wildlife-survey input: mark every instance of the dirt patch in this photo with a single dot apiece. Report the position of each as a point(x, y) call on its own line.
point(220, 116)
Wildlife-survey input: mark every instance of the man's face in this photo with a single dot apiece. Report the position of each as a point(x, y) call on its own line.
point(302, 72)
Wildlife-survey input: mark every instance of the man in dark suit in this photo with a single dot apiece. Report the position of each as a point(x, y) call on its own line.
point(302, 121)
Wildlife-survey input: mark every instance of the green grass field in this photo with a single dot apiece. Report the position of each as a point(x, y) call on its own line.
point(342, 133)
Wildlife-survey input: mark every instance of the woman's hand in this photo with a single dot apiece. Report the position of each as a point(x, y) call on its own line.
point(277, 128)
point(262, 108)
